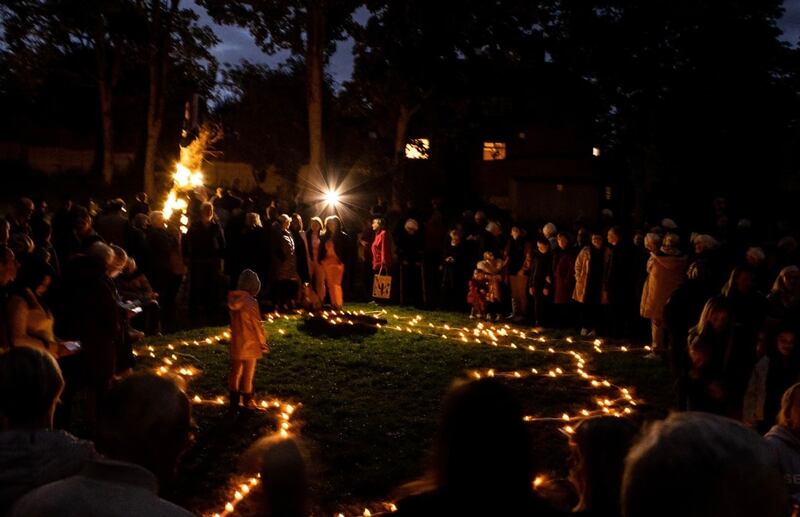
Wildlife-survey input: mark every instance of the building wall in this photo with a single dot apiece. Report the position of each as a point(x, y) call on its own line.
point(58, 160)
point(545, 200)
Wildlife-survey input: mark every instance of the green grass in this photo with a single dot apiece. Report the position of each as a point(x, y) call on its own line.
point(370, 404)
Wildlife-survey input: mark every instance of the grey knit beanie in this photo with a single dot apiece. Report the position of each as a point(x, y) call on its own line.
point(248, 281)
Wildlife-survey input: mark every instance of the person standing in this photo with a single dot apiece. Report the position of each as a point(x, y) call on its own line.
point(248, 339)
point(563, 282)
point(301, 248)
point(166, 267)
point(666, 272)
point(284, 265)
point(410, 253)
point(313, 238)
point(541, 284)
point(591, 268)
point(203, 248)
point(333, 255)
point(381, 249)
point(518, 263)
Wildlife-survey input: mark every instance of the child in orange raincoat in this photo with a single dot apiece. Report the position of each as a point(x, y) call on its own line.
point(248, 339)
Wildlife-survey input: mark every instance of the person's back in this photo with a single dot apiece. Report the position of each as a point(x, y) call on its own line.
point(111, 227)
point(32, 454)
point(104, 488)
point(30, 459)
point(204, 241)
point(143, 428)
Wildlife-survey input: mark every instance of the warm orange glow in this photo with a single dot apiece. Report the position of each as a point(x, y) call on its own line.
point(494, 151)
point(418, 149)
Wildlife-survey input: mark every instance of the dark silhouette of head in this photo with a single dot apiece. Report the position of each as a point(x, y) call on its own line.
point(599, 447)
point(482, 456)
point(145, 419)
point(285, 477)
point(30, 385)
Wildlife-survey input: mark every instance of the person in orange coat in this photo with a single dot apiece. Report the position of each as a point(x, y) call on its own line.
point(248, 340)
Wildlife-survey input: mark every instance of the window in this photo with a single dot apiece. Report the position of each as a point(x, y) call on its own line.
point(418, 149)
point(494, 151)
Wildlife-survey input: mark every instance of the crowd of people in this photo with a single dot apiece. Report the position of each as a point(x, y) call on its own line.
point(720, 305)
point(692, 463)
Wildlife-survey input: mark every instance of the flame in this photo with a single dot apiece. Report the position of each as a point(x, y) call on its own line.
point(186, 177)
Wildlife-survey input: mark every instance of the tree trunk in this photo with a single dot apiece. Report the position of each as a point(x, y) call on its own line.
point(315, 51)
point(158, 63)
point(104, 87)
point(108, 132)
point(400, 138)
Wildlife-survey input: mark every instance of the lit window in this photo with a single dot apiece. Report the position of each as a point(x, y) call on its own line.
point(494, 151)
point(595, 151)
point(418, 149)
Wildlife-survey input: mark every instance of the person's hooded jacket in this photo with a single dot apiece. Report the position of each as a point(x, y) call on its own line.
point(666, 273)
point(30, 459)
point(785, 446)
point(247, 332)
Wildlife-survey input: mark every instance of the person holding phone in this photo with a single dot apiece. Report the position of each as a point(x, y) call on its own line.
point(30, 319)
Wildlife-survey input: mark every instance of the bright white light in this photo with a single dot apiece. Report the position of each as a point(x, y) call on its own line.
point(332, 197)
point(595, 151)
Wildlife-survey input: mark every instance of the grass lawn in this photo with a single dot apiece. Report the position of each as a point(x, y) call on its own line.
point(368, 406)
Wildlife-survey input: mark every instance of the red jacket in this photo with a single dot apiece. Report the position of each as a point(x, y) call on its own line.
point(381, 252)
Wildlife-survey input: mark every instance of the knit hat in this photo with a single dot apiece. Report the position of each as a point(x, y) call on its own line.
point(248, 281)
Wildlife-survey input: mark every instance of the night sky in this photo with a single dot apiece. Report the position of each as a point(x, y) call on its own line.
point(237, 43)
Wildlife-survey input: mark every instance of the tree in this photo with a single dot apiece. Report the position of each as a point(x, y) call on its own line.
point(309, 30)
point(57, 28)
point(692, 92)
point(173, 37)
point(123, 36)
point(413, 51)
point(262, 116)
